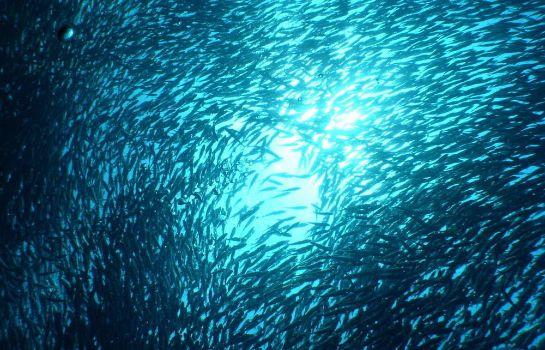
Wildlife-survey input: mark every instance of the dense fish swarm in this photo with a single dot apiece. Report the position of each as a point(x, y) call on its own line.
point(125, 154)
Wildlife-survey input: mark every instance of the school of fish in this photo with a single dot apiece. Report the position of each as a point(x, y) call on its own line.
point(131, 132)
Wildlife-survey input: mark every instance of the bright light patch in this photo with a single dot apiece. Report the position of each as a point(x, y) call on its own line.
point(238, 123)
point(283, 109)
point(299, 187)
point(344, 164)
point(285, 189)
point(326, 144)
point(308, 114)
point(294, 82)
point(344, 121)
point(332, 104)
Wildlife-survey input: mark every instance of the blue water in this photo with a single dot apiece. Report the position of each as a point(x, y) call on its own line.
point(272, 174)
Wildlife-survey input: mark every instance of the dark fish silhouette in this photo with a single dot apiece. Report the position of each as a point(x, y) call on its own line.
point(65, 32)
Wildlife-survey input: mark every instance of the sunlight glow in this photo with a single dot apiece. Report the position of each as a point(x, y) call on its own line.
point(308, 114)
point(344, 121)
point(299, 187)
